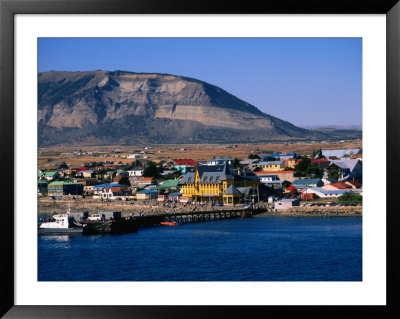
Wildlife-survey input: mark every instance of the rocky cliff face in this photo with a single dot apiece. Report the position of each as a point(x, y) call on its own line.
point(101, 107)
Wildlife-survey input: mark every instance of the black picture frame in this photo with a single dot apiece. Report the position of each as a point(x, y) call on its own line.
point(9, 8)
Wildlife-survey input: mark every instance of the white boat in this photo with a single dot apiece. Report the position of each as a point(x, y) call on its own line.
point(63, 224)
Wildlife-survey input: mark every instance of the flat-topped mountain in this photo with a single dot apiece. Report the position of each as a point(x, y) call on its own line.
point(102, 107)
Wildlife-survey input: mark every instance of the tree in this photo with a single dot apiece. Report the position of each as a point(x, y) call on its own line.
point(315, 171)
point(63, 165)
point(302, 166)
point(124, 180)
point(253, 156)
point(151, 170)
point(334, 173)
point(236, 163)
point(319, 154)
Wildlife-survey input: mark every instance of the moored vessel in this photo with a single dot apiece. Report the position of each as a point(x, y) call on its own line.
point(62, 224)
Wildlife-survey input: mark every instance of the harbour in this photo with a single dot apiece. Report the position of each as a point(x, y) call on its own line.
point(236, 249)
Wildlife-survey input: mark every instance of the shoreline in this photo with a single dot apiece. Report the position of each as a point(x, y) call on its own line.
point(50, 207)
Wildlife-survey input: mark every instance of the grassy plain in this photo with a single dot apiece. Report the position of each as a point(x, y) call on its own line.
point(51, 157)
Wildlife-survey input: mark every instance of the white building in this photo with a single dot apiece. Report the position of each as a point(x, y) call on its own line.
point(133, 156)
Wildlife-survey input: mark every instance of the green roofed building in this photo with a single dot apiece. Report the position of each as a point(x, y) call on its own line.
point(59, 189)
point(169, 184)
point(50, 176)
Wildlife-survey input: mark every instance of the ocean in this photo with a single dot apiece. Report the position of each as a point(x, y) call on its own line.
point(248, 249)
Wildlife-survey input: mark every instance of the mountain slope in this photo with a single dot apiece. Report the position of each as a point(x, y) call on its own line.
point(102, 107)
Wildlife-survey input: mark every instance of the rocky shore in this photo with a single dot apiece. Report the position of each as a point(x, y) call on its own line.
point(49, 206)
point(333, 211)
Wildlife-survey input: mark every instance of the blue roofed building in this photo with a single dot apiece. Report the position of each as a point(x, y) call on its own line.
point(306, 183)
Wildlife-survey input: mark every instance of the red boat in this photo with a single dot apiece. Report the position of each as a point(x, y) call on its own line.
point(246, 215)
point(169, 223)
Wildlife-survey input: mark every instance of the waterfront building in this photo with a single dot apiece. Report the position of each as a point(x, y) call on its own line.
point(146, 194)
point(59, 189)
point(210, 182)
point(287, 203)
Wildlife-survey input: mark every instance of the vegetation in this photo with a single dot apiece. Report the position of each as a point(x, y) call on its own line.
point(334, 173)
point(236, 163)
point(253, 156)
point(124, 180)
point(306, 169)
point(270, 158)
point(63, 165)
point(152, 170)
point(317, 154)
point(350, 197)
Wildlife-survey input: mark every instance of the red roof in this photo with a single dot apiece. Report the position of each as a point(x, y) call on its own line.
point(146, 179)
point(292, 188)
point(319, 160)
point(339, 185)
point(83, 169)
point(185, 161)
point(354, 183)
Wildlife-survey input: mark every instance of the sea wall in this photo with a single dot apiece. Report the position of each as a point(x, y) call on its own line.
point(333, 211)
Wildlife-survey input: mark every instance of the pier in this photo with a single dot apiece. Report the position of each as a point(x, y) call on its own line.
point(196, 216)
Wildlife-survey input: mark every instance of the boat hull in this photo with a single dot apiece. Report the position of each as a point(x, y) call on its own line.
point(60, 231)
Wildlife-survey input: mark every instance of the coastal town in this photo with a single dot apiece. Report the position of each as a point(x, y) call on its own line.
point(137, 184)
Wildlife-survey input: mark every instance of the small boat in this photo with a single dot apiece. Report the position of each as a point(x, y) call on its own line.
point(63, 224)
point(169, 223)
point(246, 215)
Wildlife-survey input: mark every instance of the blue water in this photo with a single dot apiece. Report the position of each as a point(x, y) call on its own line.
point(251, 249)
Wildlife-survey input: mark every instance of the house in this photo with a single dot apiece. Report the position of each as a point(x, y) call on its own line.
point(98, 190)
point(133, 156)
point(59, 189)
point(184, 164)
point(282, 157)
point(271, 166)
point(137, 171)
point(88, 173)
point(335, 186)
point(321, 162)
point(210, 182)
point(218, 161)
point(42, 187)
point(146, 181)
point(348, 169)
point(174, 197)
point(287, 203)
point(146, 194)
point(271, 181)
point(282, 175)
point(51, 176)
point(250, 162)
point(305, 183)
point(353, 184)
point(169, 184)
point(292, 162)
point(322, 193)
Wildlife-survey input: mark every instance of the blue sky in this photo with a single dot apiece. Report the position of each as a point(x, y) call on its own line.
point(306, 81)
